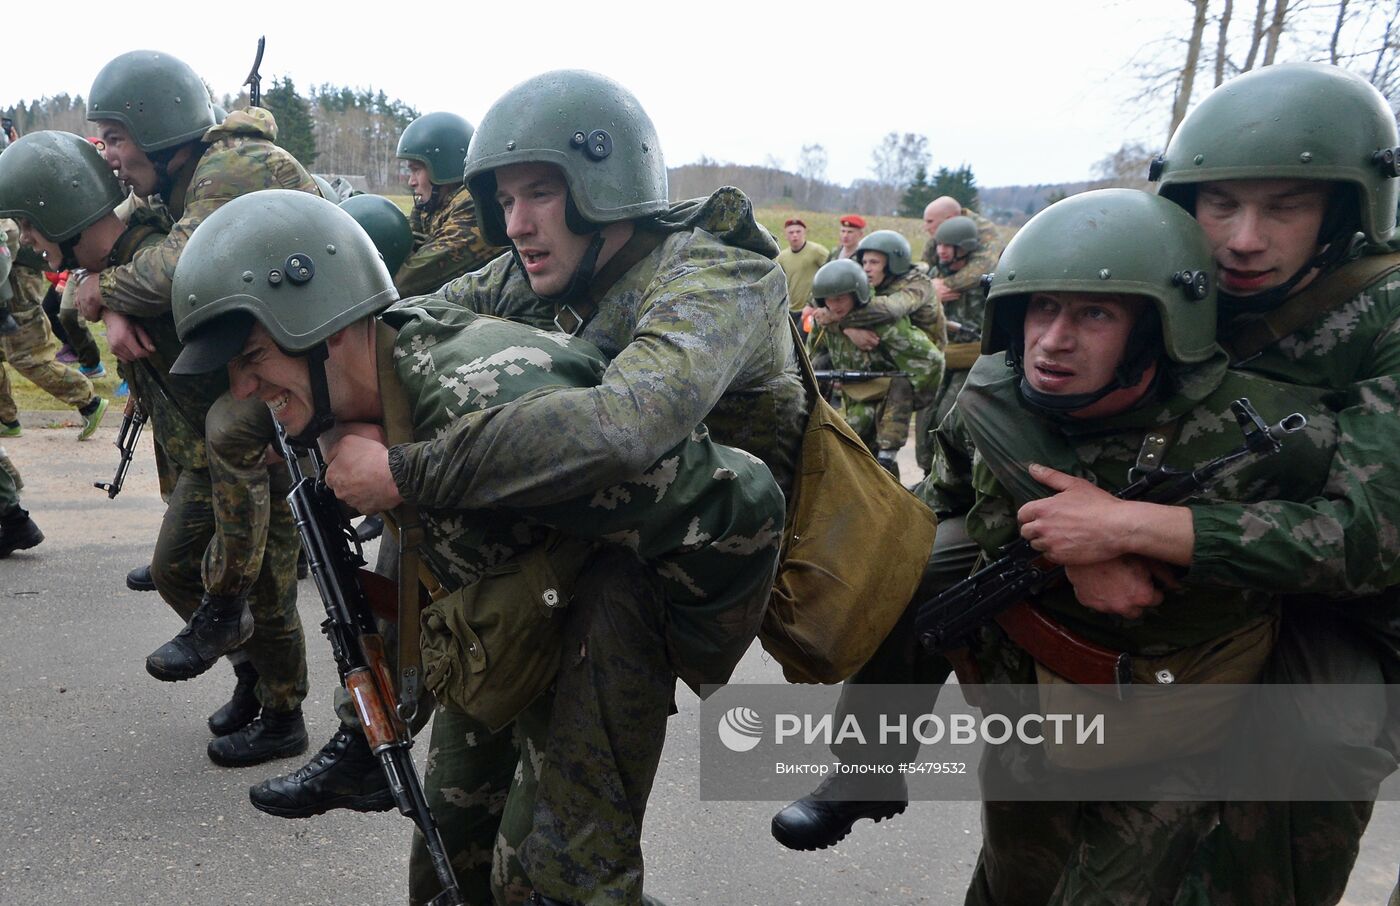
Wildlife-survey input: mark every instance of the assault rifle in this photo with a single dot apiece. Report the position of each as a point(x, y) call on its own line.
point(852, 377)
point(963, 333)
point(948, 620)
point(335, 557)
point(254, 80)
point(133, 420)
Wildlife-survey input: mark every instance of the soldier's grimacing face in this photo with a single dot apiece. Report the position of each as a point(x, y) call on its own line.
point(874, 264)
point(418, 182)
point(30, 236)
point(1261, 231)
point(533, 198)
point(283, 382)
point(1074, 341)
point(133, 167)
point(796, 236)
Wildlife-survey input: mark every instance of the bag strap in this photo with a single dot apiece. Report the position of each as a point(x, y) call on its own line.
point(398, 429)
point(1330, 292)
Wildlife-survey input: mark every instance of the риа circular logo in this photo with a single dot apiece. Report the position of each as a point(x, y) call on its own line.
point(740, 729)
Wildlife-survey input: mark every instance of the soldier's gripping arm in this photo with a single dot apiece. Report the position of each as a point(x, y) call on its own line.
point(654, 392)
point(949, 619)
point(133, 420)
point(886, 309)
point(334, 557)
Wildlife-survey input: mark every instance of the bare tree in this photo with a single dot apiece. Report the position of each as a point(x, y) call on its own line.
point(1337, 31)
point(1222, 41)
point(1187, 82)
point(1275, 31)
point(812, 163)
point(1256, 35)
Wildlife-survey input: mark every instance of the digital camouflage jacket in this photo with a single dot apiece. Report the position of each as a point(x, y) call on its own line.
point(989, 425)
point(909, 296)
point(707, 518)
point(447, 243)
point(1347, 541)
point(697, 330)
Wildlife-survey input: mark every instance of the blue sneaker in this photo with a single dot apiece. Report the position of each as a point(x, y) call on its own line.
point(123, 389)
point(96, 371)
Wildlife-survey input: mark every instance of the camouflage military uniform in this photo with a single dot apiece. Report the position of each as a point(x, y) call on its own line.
point(33, 350)
point(697, 329)
point(964, 343)
point(228, 530)
point(1120, 853)
point(706, 519)
point(983, 261)
point(10, 484)
point(882, 421)
point(447, 242)
point(1302, 852)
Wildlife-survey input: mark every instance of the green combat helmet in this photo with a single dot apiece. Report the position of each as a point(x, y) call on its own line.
point(160, 100)
point(588, 126)
point(386, 225)
point(959, 232)
point(840, 276)
point(1291, 121)
point(1109, 241)
point(899, 258)
point(58, 182)
point(439, 142)
point(327, 191)
point(290, 261)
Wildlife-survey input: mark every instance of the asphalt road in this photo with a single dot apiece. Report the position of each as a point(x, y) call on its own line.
point(106, 795)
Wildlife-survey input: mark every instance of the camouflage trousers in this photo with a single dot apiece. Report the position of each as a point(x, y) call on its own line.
point(79, 337)
point(32, 353)
point(229, 531)
point(569, 823)
point(926, 420)
point(1071, 853)
point(884, 423)
point(10, 484)
point(1287, 853)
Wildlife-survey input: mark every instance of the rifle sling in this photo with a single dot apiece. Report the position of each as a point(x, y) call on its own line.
point(1329, 292)
point(1062, 651)
point(398, 429)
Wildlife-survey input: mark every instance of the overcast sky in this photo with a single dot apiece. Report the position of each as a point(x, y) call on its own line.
point(1024, 92)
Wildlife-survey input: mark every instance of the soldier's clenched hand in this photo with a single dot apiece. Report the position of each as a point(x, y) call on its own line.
point(129, 341)
point(88, 297)
point(865, 340)
point(1125, 586)
point(357, 470)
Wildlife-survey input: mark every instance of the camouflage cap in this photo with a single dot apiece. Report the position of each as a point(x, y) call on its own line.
point(58, 182)
point(160, 100)
point(1111, 241)
point(289, 260)
point(899, 257)
point(1291, 121)
point(588, 126)
point(840, 276)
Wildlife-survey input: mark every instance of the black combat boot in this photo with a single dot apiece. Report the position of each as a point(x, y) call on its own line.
point(823, 819)
point(344, 774)
point(239, 711)
point(139, 579)
point(219, 626)
point(887, 459)
point(18, 532)
point(273, 734)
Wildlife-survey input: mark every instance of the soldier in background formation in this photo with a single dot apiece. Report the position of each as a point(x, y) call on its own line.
point(446, 239)
point(227, 536)
point(852, 229)
point(31, 349)
point(880, 409)
point(800, 261)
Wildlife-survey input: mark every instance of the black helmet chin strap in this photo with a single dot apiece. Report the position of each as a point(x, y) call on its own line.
point(321, 415)
point(577, 288)
point(68, 252)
